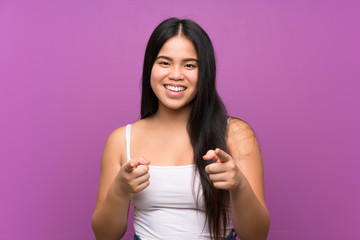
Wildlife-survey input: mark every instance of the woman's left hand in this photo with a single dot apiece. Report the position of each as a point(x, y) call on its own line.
point(224, 172)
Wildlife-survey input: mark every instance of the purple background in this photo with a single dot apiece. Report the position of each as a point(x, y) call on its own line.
point(70, 73)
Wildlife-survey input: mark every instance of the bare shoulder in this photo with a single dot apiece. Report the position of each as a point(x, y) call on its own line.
point(241, 139)
point(144, 123)
point(117, 135)
point(244, 149)
point(111, 161)
point(238, 126)
point(115, 145)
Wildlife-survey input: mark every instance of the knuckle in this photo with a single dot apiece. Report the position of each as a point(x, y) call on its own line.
point(143, 169)
point(141, 172)
point(132, 186)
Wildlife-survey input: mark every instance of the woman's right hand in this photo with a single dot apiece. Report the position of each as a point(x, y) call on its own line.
point(133, 176)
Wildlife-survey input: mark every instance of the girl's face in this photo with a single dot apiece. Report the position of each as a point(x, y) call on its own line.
point(174, 74)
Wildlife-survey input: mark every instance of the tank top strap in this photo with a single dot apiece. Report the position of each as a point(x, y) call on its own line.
point(228, 120)
point(127, 140)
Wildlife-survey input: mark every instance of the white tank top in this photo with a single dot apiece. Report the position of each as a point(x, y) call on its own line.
point(167, 208)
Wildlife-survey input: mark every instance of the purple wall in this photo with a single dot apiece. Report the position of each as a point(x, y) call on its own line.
point(69, 75)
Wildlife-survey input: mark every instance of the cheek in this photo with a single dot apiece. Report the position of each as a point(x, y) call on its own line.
point(153, 85)
point(157, 73)
point(155, 78)
point(194, 78)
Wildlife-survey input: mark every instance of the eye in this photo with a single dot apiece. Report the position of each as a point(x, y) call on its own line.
point(164, 63)
point(189, 65)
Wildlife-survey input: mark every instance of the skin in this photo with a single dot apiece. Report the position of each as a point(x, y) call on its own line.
point(176, 66)
point(241, 173)
point(167, 143)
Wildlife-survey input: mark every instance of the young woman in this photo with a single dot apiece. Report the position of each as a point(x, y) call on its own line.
point(188, 168)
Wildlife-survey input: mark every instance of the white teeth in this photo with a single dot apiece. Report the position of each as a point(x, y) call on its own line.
point(175, 89)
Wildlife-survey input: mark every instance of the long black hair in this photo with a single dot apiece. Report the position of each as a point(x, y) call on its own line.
point(208, 118)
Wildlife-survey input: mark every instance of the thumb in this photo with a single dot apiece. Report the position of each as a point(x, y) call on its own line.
point(210, 155)
point(129, 166)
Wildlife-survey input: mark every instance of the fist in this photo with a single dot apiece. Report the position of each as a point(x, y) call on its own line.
point(223, 172)
point(134, 176)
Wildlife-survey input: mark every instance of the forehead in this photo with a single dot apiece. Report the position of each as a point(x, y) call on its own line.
point(178, 46)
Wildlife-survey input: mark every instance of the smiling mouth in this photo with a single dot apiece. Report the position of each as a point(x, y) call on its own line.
point(175, 89)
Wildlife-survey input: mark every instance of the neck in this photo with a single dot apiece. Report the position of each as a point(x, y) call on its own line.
point(172, 118)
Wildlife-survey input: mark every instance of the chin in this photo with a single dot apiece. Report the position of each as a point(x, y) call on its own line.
point(177, 106)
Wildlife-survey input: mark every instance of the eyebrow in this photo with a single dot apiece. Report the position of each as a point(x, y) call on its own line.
point(170, 59)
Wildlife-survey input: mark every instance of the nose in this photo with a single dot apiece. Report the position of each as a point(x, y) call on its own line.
point(176, 73)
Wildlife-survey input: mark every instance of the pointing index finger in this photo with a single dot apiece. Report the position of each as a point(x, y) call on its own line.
point(223, 156)
point(134, 163)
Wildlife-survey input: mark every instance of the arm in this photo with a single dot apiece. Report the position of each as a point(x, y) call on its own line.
point(117, 182)
point(241, 173)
